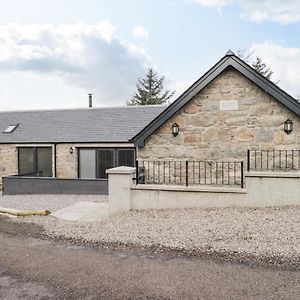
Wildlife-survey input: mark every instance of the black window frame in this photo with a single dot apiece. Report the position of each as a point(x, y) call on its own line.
point(115, 154)
point(35, 160)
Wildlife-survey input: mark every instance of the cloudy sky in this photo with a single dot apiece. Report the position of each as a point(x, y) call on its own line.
point(53, 53)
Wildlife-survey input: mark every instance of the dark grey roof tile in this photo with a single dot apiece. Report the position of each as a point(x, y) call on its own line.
point(110, 124)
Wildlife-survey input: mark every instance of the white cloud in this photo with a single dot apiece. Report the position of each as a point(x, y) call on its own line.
point(76, 58)
point(279, 11)
point(218, 3)
point(284, 62)
point(140, 33)
point(180, 86)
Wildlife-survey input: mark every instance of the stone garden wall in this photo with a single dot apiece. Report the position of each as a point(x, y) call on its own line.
point(209, 133)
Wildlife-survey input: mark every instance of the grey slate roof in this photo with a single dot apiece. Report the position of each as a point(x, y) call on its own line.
point(111, 124)
point(230, 60)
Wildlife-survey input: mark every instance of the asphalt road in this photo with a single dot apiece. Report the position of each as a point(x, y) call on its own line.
point(33, 268)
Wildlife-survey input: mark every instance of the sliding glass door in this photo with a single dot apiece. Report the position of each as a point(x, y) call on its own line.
point(87, 163)
point(126, 157)
point(35, 161)
point(105, 160)
point(27, 163)
point(93, 163)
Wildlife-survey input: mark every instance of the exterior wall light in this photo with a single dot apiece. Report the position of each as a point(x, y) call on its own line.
point(288, 126)
point(71, 150)
point(175, 129)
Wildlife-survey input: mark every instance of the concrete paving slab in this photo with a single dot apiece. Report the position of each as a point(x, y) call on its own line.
point(83, 211)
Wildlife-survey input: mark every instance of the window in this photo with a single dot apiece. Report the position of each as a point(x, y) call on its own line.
point(126, 157)
point(26, 161)
point(87, 163)
point(93, 163)
point(105, 160)
point(35, 161)
point(10, 128)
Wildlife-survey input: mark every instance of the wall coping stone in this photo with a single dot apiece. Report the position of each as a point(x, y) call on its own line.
point(272, 174)
point(180, 188)
point(121, 170)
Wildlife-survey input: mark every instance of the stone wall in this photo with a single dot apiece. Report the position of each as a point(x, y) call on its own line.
point(208, 133)
point(8, 160)
point(66, 163)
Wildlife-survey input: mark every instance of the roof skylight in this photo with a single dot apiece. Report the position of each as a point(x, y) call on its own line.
point(10, 128)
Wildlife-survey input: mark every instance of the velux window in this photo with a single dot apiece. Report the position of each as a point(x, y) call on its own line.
point(35, 161)
point(94, 162)
point(10, 128)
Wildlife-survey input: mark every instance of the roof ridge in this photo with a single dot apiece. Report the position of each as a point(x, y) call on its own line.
point(80, 108)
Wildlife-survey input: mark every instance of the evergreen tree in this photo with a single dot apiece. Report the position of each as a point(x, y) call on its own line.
point(150, 90)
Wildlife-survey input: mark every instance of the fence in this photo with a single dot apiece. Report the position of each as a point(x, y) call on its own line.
point(190, 173)
point(273, 160)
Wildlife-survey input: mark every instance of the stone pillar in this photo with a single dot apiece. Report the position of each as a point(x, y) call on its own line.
point(119, 183)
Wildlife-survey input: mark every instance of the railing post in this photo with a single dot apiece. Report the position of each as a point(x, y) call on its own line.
point(248, 160)
point(242, 174)
point(186, 173)
point(136, 172)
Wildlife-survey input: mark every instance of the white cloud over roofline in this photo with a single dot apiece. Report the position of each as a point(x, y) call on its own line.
point(83, 57)
point(278, 11)
point(284, 62)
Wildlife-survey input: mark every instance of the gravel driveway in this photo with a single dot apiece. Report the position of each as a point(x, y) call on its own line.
point(49, 202)
point(265, 234)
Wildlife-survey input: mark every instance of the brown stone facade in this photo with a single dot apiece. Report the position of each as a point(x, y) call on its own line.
point(66, 163)
point(208, 132)
point(8, 160)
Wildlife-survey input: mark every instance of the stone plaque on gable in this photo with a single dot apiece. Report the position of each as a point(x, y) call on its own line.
point(228, 105)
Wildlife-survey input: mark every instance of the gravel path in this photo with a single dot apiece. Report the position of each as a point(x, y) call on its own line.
point(49, 202)
point(264, 234)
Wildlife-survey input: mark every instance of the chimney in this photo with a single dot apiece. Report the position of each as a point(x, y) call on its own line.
point(90, 100)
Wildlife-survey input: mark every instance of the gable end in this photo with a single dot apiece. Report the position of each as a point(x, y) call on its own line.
point(229, 60)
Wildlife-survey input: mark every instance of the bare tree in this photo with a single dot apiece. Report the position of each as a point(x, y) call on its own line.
point(256, 63)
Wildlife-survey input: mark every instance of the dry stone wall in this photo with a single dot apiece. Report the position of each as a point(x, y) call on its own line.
point(209, 133)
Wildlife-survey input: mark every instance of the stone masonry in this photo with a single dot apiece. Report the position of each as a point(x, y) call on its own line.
point(208, 133)
point(8, 160)
point(66, 163)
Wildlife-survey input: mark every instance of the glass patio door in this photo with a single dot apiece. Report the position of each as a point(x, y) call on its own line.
point(105, 160)
point(35, 161)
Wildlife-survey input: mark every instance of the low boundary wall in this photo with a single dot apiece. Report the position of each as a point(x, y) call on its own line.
point(18, 185)
point(262, 189)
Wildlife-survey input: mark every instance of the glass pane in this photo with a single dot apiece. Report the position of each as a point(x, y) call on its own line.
point(44, 162)
point(126, 157)
point(87, 163)
point(105, 159)
point(26, 162)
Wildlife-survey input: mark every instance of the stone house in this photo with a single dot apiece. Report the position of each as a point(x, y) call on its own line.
point(229, 110)
point(70, 143)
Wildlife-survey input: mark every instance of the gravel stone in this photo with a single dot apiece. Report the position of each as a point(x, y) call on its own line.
point(49, 202)
point(271, 233)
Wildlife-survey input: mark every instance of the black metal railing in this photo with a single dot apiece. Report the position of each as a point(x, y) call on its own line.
point(190, 173)
point(273, 160)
